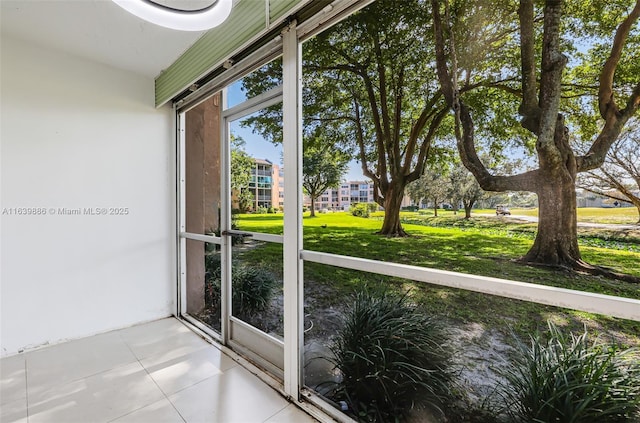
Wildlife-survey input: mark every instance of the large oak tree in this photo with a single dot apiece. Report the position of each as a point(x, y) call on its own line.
point(541, 86)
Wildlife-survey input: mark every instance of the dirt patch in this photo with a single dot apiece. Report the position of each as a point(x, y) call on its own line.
point(479, 351)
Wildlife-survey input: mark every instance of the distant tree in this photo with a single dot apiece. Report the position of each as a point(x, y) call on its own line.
point(523, 199)
point(322, 168)
point(432, 187)
point(465, 189)
point(241, 165)
point(491, 199)
point(619, 176)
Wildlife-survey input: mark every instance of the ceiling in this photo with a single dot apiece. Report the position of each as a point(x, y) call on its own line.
point(98, 30)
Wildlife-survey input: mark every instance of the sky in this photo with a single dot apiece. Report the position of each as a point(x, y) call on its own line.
point(259, 148)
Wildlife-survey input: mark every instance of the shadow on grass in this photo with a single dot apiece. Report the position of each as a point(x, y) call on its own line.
point(467, 251)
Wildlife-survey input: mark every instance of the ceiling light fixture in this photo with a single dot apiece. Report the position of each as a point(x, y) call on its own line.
point(183, 20)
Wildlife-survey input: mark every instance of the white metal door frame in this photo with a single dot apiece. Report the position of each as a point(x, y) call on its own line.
point(293, 270)
point(241, 336)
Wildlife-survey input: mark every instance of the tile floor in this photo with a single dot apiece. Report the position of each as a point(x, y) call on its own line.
point(157, 372)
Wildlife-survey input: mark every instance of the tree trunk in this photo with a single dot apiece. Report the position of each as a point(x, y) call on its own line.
point(467, 209)
point(313, 207)
point(391, 226)
point(435, 209)
point(636, 202)
point(556, 242)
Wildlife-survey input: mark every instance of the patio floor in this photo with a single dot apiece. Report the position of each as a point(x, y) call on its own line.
point(155, 372)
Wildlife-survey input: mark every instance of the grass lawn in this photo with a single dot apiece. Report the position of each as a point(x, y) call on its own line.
point(624, 215)
point(482, 246)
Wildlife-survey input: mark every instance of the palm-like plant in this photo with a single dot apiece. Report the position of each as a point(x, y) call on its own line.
point(570, 379)
point(391, 356)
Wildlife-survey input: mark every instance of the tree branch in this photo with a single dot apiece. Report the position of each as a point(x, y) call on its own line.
point(615, 183)
point(553, 63)
point(361, 144)
point(614, 118)
point(382, 163)
point(427, 112)
point(465, 126)
point(397, 121)
point(606, 102)
point(529, 108)
point(384, 107)
point(441, 59)
point(626, 196)
point(425, 147)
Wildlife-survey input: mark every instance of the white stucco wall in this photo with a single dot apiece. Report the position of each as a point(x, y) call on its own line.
point(77, 134)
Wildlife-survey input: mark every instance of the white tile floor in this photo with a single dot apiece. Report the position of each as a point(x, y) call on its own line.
point(157, 372)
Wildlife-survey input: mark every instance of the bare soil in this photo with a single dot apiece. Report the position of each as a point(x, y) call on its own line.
point(478, 351)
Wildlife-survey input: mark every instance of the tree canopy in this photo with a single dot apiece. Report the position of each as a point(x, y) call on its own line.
point(432, 188)
point(241, 165)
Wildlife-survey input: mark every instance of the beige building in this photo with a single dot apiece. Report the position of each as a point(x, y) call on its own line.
point(267, 184)
point(349, 192)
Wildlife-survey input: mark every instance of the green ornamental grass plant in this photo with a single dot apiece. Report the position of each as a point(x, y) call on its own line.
point(253, 290)
point(253, 287)
point(391, 356)
point(571, 379)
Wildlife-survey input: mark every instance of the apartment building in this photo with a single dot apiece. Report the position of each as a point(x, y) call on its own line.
point(349, 192)
point(267, 184)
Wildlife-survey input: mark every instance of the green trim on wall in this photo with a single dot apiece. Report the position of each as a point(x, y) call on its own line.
point(247, 19)
point(278, 8)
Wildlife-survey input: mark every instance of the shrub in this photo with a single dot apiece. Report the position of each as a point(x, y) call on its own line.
point(359, 210)
point(391, 356)
point(212, 268)
point(571, 379)
point(253, 287)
